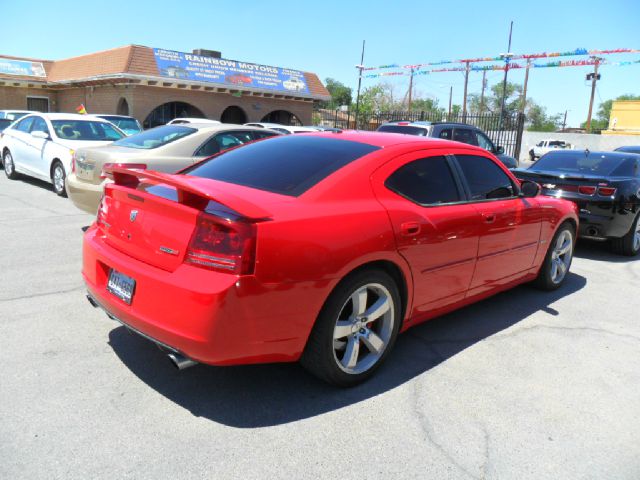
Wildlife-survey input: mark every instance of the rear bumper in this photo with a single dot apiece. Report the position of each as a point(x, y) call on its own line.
point(213, 318)
point(84, 195)
point(598, 221)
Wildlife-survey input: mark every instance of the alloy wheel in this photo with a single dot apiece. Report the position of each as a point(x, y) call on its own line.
point(561, 256)
point(636, 236)
point(58, 178)
point(363, 328)
point(8, 164)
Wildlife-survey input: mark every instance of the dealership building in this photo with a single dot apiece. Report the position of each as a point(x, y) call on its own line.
point(157, 85)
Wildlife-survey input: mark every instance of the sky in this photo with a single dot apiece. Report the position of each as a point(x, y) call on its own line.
point(326, 38)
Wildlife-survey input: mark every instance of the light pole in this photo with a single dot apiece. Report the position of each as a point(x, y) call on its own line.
point(360, 68)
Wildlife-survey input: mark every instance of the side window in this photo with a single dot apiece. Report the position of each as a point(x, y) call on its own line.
point(223, 141)
point(539, 144)
point(24, 125)
point(464, 135)
point(427, 181)
point(484, 142)
point(486, 180)
point(446, 133)
point(39, 125)
point(261, 135)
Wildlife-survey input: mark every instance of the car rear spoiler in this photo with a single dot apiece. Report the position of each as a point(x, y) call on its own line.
point(188, 194)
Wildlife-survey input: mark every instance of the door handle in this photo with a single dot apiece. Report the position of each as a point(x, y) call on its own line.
point(489, 217)
point(410, 228)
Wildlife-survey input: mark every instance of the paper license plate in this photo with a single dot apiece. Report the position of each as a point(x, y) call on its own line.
point(85, 170)
point(121, 286)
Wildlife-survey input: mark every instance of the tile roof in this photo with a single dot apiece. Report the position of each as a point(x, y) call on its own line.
point(130, 59)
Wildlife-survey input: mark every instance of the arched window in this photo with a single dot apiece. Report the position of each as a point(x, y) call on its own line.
point(123, 107)
point(282, 117)
point(233, 114)
point(168, 111)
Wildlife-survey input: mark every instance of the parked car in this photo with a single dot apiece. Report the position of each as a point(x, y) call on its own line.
point(4, 123)
point(42, 145)
point(284, 129)
point(167, 148)
point(14, 114)
point(256, 256)
point(545, 146)
point(178, 121)
point(238, 79)
point(321, 128)
point(629, 149)
point(129, 125)
point(604, 185)
point(458, 132)
point(294, 84)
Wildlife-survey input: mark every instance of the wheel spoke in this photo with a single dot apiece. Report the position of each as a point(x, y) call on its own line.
point(566, 247)
point(378, 309)
point(554, 269)
point(359, 300)
point(562, 267)
point(373, 342)
point(350, 358)
point(342, 329)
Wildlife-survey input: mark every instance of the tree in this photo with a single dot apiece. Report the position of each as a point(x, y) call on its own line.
point(493, 101)
point(340, 94)
point(539, 121)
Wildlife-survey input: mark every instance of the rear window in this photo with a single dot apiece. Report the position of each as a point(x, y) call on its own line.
point(156, 137)
point(581, 163)
point(288, 165)
point(403, 129)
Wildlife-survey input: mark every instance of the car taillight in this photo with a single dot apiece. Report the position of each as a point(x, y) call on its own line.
point(403, 123)
point(73, 161)
point(141, 166)
point(221, 245)
point(587, 190)
point(103, 209)
point(606, 191)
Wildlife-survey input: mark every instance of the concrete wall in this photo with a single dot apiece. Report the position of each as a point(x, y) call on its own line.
point(578, 140)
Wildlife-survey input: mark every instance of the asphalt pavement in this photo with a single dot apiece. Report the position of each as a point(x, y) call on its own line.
point(525, 385)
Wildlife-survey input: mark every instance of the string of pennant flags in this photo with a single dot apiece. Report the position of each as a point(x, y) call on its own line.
point(501, 67)
point(571, 53)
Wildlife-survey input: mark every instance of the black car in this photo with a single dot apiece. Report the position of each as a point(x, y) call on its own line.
point(458, 132)
point(606, 187)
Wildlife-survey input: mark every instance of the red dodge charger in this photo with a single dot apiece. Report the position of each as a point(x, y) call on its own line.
point(318, 247)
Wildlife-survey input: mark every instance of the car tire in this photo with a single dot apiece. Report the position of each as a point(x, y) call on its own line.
point(9, 166)
point(629, 245)
point(532, 156)
point(58, 178)
point(355, 330)
point(557, 262)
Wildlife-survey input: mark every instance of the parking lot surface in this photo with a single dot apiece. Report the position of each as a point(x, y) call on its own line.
point(526, 385)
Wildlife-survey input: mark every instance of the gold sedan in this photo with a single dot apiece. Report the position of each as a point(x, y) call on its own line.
point(168, 148)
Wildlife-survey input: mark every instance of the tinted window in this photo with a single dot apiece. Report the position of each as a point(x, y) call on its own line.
point(485, 179)
point(484, 142)
point(446, 133)
point(628, 149)
point(260, 135)
point(24, 125)
point(580, 162)
point(39, 125)
point(4, 123)
point(465, 135)
point(427, 181)
point(85, 130)
point(403, 129)
point(223, 141)
point(288, 165)
point(156, 137)
point(124, 123)
point(628, 168)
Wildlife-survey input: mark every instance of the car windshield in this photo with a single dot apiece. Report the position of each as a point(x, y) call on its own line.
point(403, 129)
point(156, 137)
point(580, 163)
point(85, 130)
point(288, 165)
point(125, 124)
point(556, 143)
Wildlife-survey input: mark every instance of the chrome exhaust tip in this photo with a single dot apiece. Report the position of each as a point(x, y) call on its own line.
point(180, 361)
point(93, 303)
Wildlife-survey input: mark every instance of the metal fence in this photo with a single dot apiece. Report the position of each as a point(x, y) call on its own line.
point(504, 131)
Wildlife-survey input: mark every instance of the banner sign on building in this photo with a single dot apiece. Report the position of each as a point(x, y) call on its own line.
point(187, 66)
point(24, 68)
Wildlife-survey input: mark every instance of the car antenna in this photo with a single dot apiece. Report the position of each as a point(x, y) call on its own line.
point(586, 152)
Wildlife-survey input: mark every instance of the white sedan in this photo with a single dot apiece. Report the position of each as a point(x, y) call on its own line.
point(42, 145)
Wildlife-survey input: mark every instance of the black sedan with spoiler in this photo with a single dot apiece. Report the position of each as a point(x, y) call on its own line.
point(606, 187)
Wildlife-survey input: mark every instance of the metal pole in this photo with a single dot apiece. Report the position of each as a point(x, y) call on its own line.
point(410, 90)
point(450, 97)
point(564, 122)
point(506, 71)
point(484, 85)
point(464, 97)
point(524, 90)
point(594, 79)
point(359, 67)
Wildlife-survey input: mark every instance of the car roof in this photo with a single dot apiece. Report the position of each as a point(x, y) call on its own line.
point(194, 120)
point(569, 153)
point(387, 139)
point(109, 115)
point(18, 111)
point(213, 127)
point(265, 124)
point(67, 116)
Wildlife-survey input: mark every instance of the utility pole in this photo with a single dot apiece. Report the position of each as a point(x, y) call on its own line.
point(594, 77)
point(360, 68)
point(450, 97)
point(484, 85)
point(410, 89)
point(507, 57)
point(464, 97)
point(564, 122)
point(524, 90)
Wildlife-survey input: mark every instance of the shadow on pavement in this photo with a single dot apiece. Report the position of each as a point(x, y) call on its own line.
point(600, 252)
point(267, 395)
point(35, 182)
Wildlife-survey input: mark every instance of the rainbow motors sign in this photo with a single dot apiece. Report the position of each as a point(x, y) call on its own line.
point(187, 66)
point(23, 68)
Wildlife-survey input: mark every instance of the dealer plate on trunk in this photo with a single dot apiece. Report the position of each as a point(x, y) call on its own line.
point(84, 170)
point(121, 286)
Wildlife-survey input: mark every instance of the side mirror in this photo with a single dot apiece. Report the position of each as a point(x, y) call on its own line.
point(529, 189)
point(40, 134)
point(499, 150)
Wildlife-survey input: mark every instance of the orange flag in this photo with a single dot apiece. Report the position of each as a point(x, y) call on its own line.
point(81, 110)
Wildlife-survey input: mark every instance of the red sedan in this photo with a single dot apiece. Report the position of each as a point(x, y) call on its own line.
point(317, 247)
